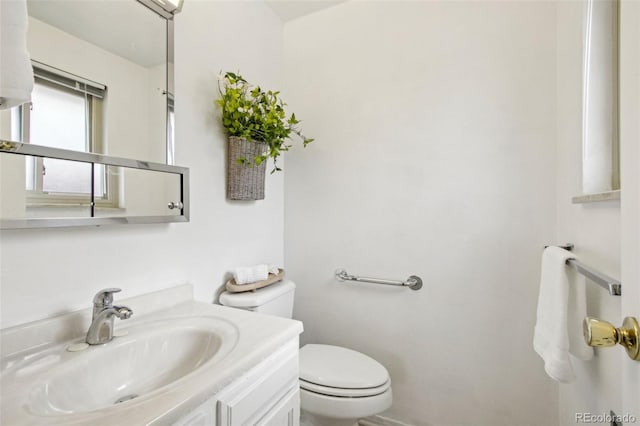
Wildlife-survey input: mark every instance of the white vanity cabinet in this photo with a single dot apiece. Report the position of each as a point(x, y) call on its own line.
point(268, 394)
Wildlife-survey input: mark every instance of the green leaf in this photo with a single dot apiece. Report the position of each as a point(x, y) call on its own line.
point(255, 114)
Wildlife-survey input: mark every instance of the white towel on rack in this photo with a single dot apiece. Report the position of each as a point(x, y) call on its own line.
point(576, 312)
point(559, 316)
point(16, 74)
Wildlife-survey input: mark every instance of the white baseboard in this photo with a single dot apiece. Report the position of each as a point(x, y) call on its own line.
point(381, 421)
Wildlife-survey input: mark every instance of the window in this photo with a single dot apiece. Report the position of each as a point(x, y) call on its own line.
point(600, 158)
point(65, 112)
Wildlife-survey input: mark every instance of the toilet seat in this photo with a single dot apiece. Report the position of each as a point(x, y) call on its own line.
point(340, 372)
point(343, 393)
point(333, 407)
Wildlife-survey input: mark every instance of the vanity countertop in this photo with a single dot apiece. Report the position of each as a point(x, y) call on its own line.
point(255, 336)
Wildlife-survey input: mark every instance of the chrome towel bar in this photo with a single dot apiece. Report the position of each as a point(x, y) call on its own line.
point(611, 284)
point(413, 282)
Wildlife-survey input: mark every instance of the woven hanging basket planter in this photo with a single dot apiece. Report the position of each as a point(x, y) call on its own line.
point(245, 182)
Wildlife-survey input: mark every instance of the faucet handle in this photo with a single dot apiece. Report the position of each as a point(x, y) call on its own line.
point(104, 297)
point(123, 312)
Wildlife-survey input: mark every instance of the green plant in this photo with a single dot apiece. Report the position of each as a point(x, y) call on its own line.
point(253, 114)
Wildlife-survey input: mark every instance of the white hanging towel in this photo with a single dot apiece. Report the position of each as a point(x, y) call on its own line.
point(576, 312)
point(560, 313)
point(16, 74)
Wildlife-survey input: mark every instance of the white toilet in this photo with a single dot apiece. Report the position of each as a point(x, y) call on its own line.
point(337, 385)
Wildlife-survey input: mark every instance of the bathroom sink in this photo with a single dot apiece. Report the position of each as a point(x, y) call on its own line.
point(151, 359)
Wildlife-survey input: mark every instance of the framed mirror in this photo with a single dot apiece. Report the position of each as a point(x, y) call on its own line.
point(99, 130)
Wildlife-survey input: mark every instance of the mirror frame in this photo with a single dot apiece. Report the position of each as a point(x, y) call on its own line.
point(92, 158)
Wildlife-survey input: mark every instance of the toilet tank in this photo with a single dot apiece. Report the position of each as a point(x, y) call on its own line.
point(276, 299)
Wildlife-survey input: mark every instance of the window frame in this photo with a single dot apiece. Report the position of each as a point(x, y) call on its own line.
point(94, 141)
point(601, 62)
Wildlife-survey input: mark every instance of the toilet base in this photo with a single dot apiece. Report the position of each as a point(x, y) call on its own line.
point(308, 419)
point(325, 410)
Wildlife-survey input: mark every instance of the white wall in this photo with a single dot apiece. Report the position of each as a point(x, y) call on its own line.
point(48, 271)
point(435, 155)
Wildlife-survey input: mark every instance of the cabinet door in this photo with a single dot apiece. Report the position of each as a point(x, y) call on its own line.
point(249, 398)
point(285, 413)
point(204, 415)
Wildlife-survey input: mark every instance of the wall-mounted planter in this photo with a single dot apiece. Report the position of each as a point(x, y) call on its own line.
point(245, 182)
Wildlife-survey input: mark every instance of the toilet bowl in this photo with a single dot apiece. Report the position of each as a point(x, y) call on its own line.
point(338, 386)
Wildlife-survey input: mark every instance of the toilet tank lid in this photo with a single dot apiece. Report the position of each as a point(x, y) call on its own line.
point(250, 299)
point(339, 367)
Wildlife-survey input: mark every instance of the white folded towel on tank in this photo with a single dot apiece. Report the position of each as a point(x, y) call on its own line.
point(251, 274)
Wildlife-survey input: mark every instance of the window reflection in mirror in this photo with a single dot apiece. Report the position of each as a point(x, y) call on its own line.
point(63, 117)
point(65, 112)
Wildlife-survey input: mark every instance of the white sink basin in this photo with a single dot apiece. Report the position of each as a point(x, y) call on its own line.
point(179, 354)
point(141, 365)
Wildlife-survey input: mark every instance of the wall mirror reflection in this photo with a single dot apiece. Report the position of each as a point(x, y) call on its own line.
point(98, 89)
point(103, 96)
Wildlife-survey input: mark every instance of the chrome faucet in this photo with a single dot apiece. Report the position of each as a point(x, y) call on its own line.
point(101, 329)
